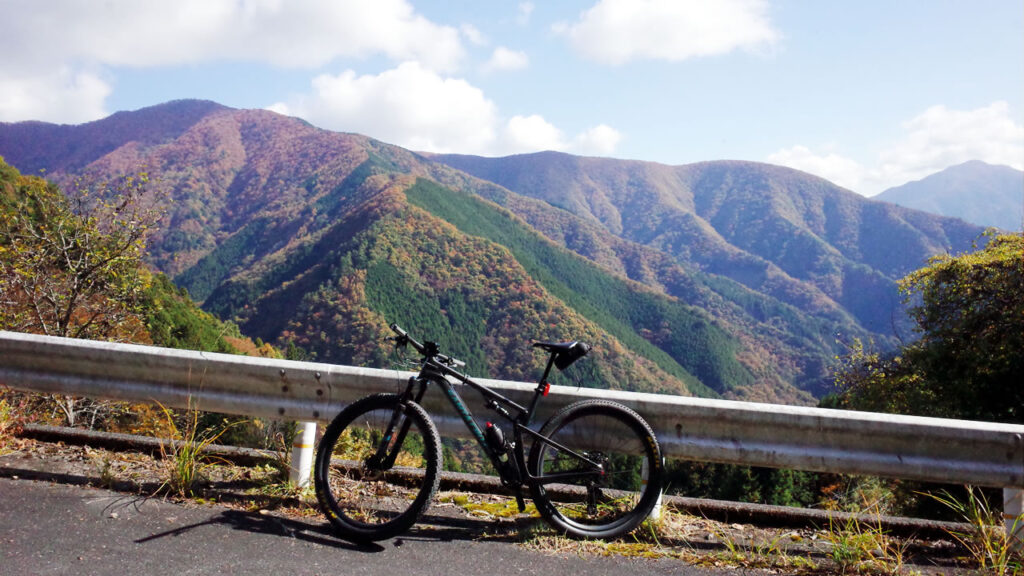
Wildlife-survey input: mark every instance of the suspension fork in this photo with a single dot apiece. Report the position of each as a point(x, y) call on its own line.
point(382, 459)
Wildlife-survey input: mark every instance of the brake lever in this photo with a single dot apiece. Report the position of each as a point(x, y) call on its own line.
point(400, 341)
point(450, 361)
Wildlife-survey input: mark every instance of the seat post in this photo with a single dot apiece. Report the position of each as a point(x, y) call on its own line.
point(541, 385)
point(547, 372)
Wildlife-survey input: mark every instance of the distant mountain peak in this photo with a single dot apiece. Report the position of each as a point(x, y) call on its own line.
point(186, 109)
point(42, 146)
point(975, 191)
point(725, 277)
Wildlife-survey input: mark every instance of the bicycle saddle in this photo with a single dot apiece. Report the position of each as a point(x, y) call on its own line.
point(565, 352)
point(555, 346)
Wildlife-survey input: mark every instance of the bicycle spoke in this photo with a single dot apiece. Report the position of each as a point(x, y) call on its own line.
point(372, 480)
point(595, 486)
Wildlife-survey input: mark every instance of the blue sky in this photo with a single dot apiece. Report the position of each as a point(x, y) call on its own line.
point(868, 94)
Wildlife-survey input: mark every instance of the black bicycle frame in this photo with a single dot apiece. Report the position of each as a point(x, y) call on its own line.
point(437, 372)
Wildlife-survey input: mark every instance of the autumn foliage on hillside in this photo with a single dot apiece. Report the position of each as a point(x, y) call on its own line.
point(71, 266)
point(468, 293)
point(734, 278)
point(967, 361)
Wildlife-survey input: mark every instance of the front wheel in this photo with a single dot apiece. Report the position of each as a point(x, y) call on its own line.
point(600, 472)
point(377, 467)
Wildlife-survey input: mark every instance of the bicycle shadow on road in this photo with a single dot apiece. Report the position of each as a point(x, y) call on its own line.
point(432, 528)
point(270, 524)
point(436, 525)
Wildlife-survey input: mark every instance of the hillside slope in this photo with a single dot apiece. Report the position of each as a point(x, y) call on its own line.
point(792, 236)
point(149, 309)
point(724, 278)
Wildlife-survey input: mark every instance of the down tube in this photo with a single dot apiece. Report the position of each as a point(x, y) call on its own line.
point(463, 411)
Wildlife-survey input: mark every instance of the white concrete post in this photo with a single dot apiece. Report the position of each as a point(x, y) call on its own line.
point(644, 473)
point(1013, 516)
point(302, 454)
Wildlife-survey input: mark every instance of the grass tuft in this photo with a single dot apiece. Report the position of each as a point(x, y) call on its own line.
point(7, 424)
point(988, 543)
point(185, 454)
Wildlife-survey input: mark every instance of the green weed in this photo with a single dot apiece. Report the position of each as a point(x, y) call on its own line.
point(865, 547)
point(13, 409)
point(769, 554)
point(988, 543)
point(186, 454)
point(105, 468)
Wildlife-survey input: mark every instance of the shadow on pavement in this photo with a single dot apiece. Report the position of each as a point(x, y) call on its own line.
point(272, 525)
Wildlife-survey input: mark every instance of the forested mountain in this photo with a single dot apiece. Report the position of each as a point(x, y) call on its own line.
point(794, 237)
point(722, 278)
point(975, 191)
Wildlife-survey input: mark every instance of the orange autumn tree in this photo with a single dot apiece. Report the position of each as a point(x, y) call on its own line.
point(72, 265)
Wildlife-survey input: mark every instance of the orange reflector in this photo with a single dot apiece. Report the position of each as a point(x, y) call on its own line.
point(547, 388)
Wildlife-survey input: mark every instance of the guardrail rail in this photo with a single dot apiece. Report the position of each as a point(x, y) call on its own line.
point(771, 435)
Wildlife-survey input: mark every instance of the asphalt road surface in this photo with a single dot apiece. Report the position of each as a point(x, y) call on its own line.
point(60, 529)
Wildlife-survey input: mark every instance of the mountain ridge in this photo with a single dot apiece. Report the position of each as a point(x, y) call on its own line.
point(743, 273)
point(985, 194)
point(45, 147)
point(706, 221)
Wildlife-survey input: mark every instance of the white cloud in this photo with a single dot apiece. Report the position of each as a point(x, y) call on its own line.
point(294, 34)
point(62, 97)
point(524, 10)
point(473, 34)
point(617, 31)
point(531, 134)
point(932, 141)
point(410, 105)
point(600, 140)
point(940, 137)
point(843, 171)
point(420, 109)
point(78, 36)
point(505, 59)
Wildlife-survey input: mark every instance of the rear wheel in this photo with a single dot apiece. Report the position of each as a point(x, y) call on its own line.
point(613, 467)
point(372, 481)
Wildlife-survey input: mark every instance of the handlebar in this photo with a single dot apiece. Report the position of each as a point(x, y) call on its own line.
point(427, 350)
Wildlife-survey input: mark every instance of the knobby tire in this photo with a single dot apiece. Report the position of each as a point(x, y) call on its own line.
point(605, 506)
point(367, 504)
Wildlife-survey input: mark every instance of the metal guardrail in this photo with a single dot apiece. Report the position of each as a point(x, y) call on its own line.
point(928, 449)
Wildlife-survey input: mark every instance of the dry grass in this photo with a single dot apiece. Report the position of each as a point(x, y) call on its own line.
point(186, 454)
point(675, 536)
point(8, 425)
point(12, 418)
point(988, 543)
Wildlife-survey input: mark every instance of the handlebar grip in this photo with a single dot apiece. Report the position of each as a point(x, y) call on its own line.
point(398, 330)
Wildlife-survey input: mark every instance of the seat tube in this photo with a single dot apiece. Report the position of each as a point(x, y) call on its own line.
point(541, 385)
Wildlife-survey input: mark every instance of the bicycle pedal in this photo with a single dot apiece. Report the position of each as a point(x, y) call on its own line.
point(520, 502)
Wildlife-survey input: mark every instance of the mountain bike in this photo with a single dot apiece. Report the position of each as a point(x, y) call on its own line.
point(594, 469)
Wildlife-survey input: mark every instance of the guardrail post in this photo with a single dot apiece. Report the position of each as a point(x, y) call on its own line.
point(1013, 517)
point(699, 429)
point(655, 514)
point(302, 454)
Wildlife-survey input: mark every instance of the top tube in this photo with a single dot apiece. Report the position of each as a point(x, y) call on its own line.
point(445, 366)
